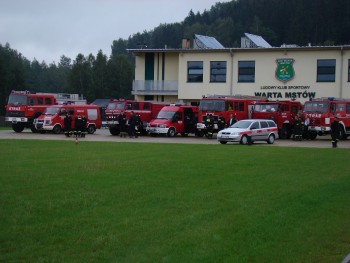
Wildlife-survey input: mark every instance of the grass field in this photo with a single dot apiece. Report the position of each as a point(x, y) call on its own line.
point(138, 202)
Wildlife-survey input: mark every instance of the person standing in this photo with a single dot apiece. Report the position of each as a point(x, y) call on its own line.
point(209, 123)
point(335, 132)
point(78, 123)
point(232, 120)
point(221, 122)
point(67, 124)
point(298, 129)
point(83, 126)
point(122, 124)
point(132, 124)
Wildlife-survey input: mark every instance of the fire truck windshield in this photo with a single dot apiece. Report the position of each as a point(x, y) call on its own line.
point(317, 107)
point(166, 115)
point(116, 106)
point(17, 100)
point(212, 105)
point(266, 107)
point(51, 110)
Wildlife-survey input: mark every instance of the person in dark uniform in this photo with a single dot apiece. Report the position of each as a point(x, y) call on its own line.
point(67, 124)
point(83, 125)
point(122, 124)
point(298, 129)
point(78, 124)
point(139, 125)
point(221, 122)
point(335, 132)
point(209, 123)
point(132, 124)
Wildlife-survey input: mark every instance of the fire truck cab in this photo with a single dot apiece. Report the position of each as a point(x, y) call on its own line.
point(282, 112)
point(239, 106)
point(23, 107)
point(320, 113)
point(52, 118)
point(174, 119)
point(146, 110)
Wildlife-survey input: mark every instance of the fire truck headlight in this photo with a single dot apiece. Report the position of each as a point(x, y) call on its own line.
point(162, 126)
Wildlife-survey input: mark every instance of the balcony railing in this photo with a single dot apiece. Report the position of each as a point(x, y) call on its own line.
point(153, 87)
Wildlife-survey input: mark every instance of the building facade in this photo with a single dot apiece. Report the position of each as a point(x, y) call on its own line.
point(186, 75)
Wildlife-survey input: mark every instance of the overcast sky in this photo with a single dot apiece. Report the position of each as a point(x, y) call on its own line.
point(47, 29)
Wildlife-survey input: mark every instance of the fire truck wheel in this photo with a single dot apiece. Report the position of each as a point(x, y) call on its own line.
point(33, 129)
point(17, 127)
point(312, 135)
point(342, 134)
point(171, 132)
point(271, 139)
point(285, 133)
point(200, 133)
point(244, 139)
point(91, 129)
point(57, 129)
point(222, 142)
point(113, 131)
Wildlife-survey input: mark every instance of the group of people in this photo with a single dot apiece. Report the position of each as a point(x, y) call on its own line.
point(131, 127)
point(301, 130)
point(79, 127)
point(209, 124)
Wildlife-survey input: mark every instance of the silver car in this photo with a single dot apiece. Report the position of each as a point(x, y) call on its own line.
point(253, 130)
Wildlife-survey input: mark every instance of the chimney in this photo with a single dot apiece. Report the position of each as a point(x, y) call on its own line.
point(185, 43)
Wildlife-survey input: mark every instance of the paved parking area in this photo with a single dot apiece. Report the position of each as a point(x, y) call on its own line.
point(104, 135)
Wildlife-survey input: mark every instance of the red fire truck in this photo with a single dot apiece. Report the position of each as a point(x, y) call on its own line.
point(23, 107)
point(52, 119)
point(174, 119)
point(146, 110)
point(239, 106)
point(282, 112)
point(320, 113)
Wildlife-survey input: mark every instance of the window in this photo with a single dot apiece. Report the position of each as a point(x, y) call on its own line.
point(255, 125)
point(146, 106)
point(135, 106)
point(238, 106)
point(246, 71)
point(92, 114)
point(326, 70)
point(264, 124)
point(218, 71)
point(347, 108)
point(48, 101)
point(40, 101)
point(195, 71)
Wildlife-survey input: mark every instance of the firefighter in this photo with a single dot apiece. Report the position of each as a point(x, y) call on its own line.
point(67, 124)
point(78, 123)
point(132, 125)
point(122, 124)
point(209, 123)
point(83, 125)
point(221, 122)
point(298, 129)
point(138, 125)
point(335, 132)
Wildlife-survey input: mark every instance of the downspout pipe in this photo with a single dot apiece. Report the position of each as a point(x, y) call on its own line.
point(341, 72)
point(231, 74)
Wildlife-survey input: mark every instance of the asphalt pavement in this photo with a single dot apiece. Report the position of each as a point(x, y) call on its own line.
point(104, 135)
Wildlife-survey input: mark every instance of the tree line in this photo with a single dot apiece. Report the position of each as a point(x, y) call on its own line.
point(318, 22)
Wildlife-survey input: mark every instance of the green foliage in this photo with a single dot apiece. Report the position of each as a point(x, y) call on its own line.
point(138, 202)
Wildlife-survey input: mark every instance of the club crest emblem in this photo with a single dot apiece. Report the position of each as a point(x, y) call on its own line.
point(285, 71)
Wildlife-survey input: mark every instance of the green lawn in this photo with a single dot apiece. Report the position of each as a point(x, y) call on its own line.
point(139, 202)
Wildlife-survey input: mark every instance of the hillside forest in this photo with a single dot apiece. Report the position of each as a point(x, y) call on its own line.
point(300, 22)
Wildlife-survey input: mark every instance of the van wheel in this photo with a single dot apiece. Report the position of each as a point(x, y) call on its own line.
point(33, 129)
point(223, 142)
point(171, 132)
point(57, 129)
point(271, 139)
point(91, 129)
point(244, 139)
point(114, 131)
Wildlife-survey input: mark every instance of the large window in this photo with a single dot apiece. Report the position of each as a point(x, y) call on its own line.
point(246, 71)
point(326, 70)
point(195, 71)
point(218, 71)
